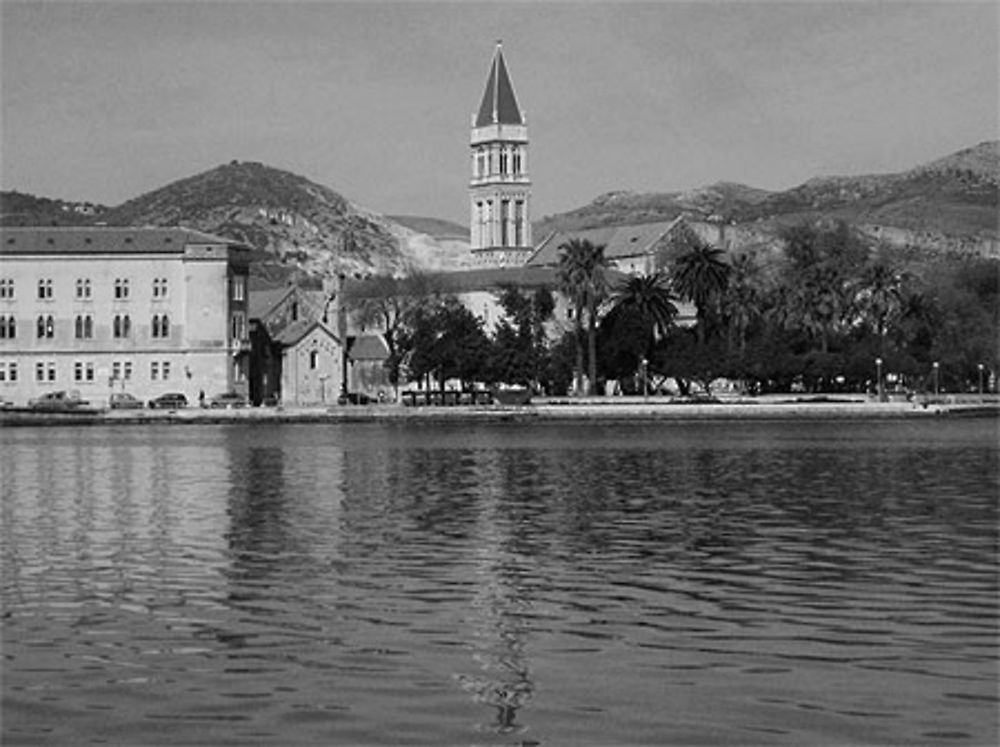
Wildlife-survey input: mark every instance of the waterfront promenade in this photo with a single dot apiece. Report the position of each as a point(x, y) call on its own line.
point(772, 407)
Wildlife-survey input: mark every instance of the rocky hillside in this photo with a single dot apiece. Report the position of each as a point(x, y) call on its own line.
point(950, 204)
point(433, 227)
point(297, 222)
point(298, 227)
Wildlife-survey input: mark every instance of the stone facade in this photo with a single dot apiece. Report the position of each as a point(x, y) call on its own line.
point(140, 310)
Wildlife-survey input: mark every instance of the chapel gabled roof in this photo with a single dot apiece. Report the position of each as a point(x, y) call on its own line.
point(499, 104)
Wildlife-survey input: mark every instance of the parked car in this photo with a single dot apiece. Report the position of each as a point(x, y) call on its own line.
point(124, 401)
point(169, 401)
point(354, 398)
point(227, 400)
point(56, 401)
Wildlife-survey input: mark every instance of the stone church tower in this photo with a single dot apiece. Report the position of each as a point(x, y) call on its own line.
point(500, 191)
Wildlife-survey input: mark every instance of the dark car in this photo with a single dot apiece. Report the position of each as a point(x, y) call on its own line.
point(227, 400)
point(169, 401)
point(58, 401)
point(354, 398)
point(124, 401)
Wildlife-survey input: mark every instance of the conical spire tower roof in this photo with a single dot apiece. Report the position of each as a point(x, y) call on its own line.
point(499, 104)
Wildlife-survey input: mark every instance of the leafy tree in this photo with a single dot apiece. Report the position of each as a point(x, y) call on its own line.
point(687, 358)
point(386, 303)
point(582, 279)
point(519, 341)
point(642, 311)
point(623, 340)
point(557, 376)
point(821, 269)
point(445, 340)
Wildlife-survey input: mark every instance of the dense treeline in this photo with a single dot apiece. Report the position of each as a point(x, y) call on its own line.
point(817, 319)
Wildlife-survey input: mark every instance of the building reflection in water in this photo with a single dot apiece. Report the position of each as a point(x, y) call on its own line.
point(284, 494)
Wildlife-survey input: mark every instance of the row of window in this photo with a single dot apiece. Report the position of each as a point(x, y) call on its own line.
point(83, 288)
point(83, 371)
point(83, 327)
point(511, 224)
point(506, 161)
point(121, 288)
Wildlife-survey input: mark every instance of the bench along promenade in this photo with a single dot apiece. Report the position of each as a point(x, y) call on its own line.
point(620, 408)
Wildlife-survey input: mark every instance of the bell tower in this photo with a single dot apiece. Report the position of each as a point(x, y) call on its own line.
point(500, 190)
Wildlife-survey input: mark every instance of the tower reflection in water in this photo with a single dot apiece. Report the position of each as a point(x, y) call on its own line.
point(502, 601)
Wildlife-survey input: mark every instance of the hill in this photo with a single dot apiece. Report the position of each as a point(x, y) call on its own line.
point(294, 224)
point(297, 222)
point(950, 204)
point(20, 209)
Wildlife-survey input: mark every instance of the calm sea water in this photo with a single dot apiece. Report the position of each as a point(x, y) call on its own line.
point(667, 583)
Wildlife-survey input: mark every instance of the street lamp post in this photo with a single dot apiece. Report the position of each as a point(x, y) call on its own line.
point(937, 388)
point(980, 367)
point(645, 388)
point(878, 378)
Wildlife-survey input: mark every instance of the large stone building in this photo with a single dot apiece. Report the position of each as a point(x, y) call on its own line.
point(141, 310)
point(500, 190)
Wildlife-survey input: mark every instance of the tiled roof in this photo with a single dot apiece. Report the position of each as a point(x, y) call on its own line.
point(106, 240)
point(482, 279)
point(260, 302)
point(618, 241)
point(296, 331)
point(499, 104)
point(369, 348)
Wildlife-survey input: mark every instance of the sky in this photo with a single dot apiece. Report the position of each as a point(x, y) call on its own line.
point(106, 101)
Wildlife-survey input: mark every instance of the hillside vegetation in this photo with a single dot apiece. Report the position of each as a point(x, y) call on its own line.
point(20, 209)
point(950, 204)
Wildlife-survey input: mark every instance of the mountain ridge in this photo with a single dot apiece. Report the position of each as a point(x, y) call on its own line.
point(948, 204)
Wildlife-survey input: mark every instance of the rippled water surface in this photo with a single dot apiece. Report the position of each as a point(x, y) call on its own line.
point(708, 583)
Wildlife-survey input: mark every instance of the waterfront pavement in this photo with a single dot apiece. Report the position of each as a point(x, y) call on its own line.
point(597, 408)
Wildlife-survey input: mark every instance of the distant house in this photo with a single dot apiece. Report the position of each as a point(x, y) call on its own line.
point(366, 371)
point(311, 364)
point(639, 249)
point(296, 357)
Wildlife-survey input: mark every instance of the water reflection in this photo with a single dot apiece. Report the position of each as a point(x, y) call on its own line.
point(588, 584)
point(502, 602)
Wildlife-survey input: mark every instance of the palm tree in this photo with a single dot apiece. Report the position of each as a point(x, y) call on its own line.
point(700, 276)
point(649, 298)
point(742, 302)
point(881, 298)
point(582, 280)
